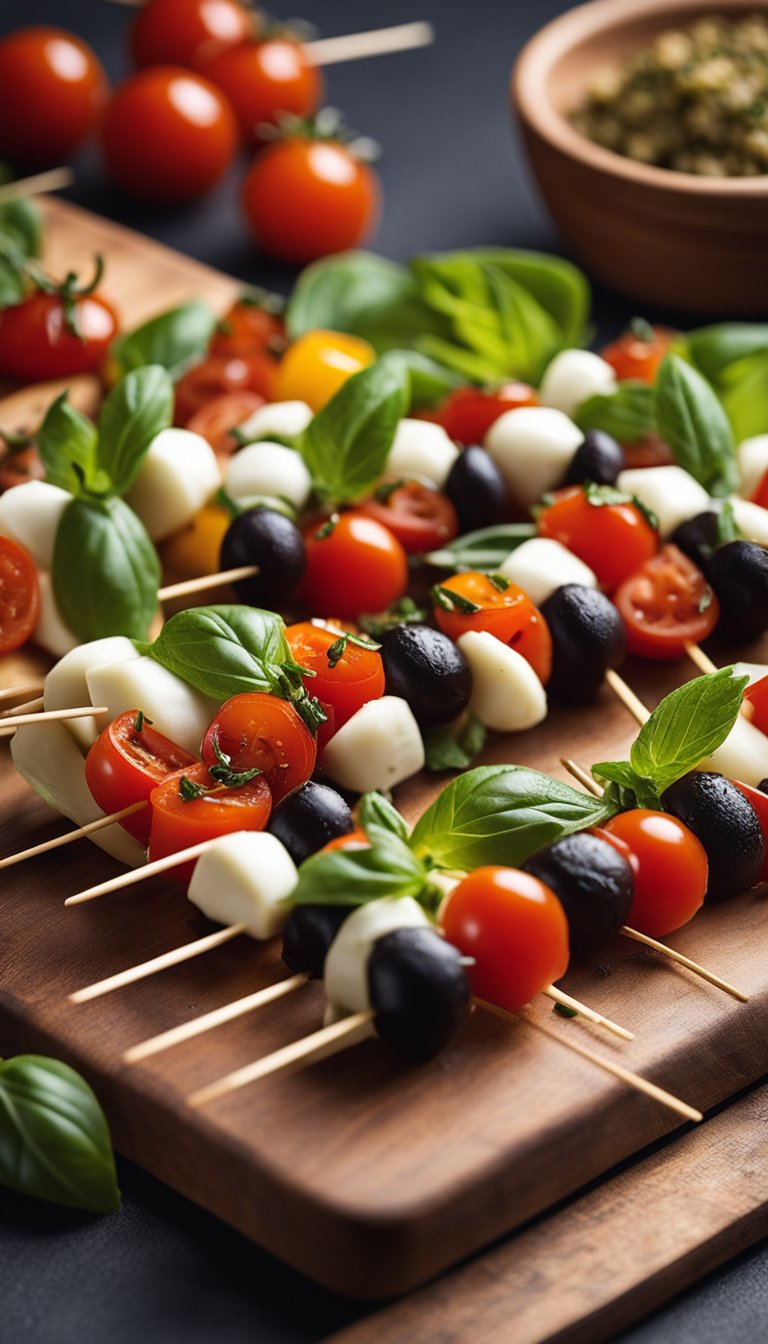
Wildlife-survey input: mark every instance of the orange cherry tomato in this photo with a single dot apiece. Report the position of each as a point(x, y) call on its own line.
point(187, 32)
point(168, 135)
point(355, 839)
point(638, 355)
point(316, 365)
point(506, 612)
point(176, 823)
point(249, 328)
point(37, 342)
point(613, 539)
point(516, 930)
point(126, 762)
point(756, 700)
point(52, 93)
point(262, 79)
point(216, 419)
point(759, 801)
point(220, 375)
point(421, 517)
point(259, 731)
point(358, 565)
point(356, 678)
point(670, 866)
point(19, 595)
point(666, 604)
point(469, 412)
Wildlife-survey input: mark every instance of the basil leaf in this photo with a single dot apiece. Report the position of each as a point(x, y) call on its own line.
point(713, 349)
point(175, 340)
point(628, 413)
point(377, 814)
point(501, 814)
point(355, 876)
point(223, 651)
point(363, 294)
point(692, 421)
point(12, 284)
point(687, 727)
point(558, 286)
point(136, 410)
point(54, 1140)
point(449, 748)
point(21, 221)
point(68, 446)
point(430, 382)
point(487, 548)
point(346, 445)
point(626, 788)
point(105, 570)
point(745, 396)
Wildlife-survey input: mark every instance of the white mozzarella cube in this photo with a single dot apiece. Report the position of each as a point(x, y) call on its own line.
point(176, 709)
point(573, 377)
point(244, 878)
point(506, 693)
point(532, 447)
point(30, 515)
point(66, 687)
point(377, 748)
point(755, 671)
point(286, 419)
point(669, 492)
point(267, 470)
point(753, 463)
point(751, 520)
point(346, 965)
point(178, 476)
point(743, 755)
point(423, 451)
point(541, 566)
point(51, 632)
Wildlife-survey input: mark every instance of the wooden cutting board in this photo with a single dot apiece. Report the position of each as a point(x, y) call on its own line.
point(367, 1175)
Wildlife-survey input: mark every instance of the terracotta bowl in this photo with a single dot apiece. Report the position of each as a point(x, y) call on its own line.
point(667, 238)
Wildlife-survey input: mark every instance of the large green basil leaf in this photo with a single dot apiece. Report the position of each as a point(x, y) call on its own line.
point(54, 1140)
point(628, 413)
point(691, 419)
point(346, 445)
point(105, 570)
point(559, 286)
point(68, 446)
point(744, 395)
point(364, 294)
point(687, 727)
point(355, 876)
point(223, 650)
point(714, 349)
point(174, 340)
point(136, 410)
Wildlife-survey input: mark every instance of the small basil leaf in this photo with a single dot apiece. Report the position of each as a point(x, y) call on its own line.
point(487, 548)
point(67, 443)
point(687, 727)
point(449, 748)
point(54, 1140)
point(713, 349)
point(530, 334)
point(355, 876)
point(363, 294)
point(136, 410)
point(430, 381)
point(223, 651)
point(378, 814)
point(105, 570)
point(627, 414)
point(346, 445)
point(627, 788)
point(745, 396)
point(692, 421)
point(175, 340)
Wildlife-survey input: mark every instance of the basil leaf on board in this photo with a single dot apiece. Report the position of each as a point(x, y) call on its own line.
point(355, 876)
point(54, 1139)
point(377, 814)
point(501, 814)
point(136, 410)
point(688, 725)
point(487, 548)
point(364, 294)
point(175, 340)
point(691, 419)
point(22, 223)
point(431, 382)
point(628, 413)
point(449, 748)
point(105, 570)
point(222, 651)
point(713, 349)
point(745, 396)
point(68, 447)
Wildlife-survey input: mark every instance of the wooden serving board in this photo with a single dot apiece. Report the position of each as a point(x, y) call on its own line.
point(367, 1175)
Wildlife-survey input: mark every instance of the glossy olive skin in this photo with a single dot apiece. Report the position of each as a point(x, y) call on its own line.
point(425, 668)
point(593, 882)
point(599, 459)
point(587, 638)
point(308, 934)
point(738, 572)
point(308, 818)
point(419, 990)
point(476, 489)
point(268, 539)
point(726, 824)
point(697, 538)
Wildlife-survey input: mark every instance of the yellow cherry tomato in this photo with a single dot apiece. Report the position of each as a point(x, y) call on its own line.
point(317, 364)
point(194, 550)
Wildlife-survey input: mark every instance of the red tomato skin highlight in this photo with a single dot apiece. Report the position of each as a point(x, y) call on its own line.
point(35, 342)
point(263, 79)
point(186, 32)
point(671, 869)
point(52, 94)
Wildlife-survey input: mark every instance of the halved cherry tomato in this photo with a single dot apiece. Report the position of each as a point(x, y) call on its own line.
point(639, 354)
point(613, 539)
point(759, 801)
point(249, 328)
point(515, 929)
point(216, 419)
point(52, 91)
point(37, 341)
point(469, 412)
point(176, 823)
point(670, 866)
point(316, 365)
point(421, 517)
point(259, 731)
point(262, 79)
point(756, 700)
point(666, 604)
point(219, 375)
point(187, 32)
point(356, 678)
point(357, 564)
point(19, 595)
point(506, 612)
point(126, 762)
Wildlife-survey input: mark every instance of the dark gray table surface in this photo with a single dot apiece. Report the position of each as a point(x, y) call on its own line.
point(453, 171)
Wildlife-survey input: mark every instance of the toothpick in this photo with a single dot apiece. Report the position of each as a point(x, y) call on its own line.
point(206, 581)
point(161, 963)
point(590, 784)
point(51, 180)
point(376, 42)
point(627, 696)
point(29, 707)
point(216, 1018)
point(699, 657)
point(589, 1013)
point(52, 715)
point(21, 689)
point(70, 836)
point(139, 874)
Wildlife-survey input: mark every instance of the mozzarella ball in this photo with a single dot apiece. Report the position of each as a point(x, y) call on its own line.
point(378, 747)
point(244, 878)
point(346, 966)
point(743, 755)
point(51, 632)
point(532, 447)
point(176, 709)
point(178, 476)
point(541, 566)
point(506, 693)
point(751, 520)
point(669, 492)
point(267, 470)
point(30, 515)
point(573, 377)
point(753, 463)
point(66, 686)
point(284, 419)
point(422, 451)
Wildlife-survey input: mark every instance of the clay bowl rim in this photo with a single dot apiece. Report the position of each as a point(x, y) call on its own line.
point(577, 26)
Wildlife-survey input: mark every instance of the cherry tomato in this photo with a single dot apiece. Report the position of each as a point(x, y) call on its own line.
point(469, 412)
point(255, 730)
point(760, 495)
point(356, 839)
point(249, 329)
point(126, 762)
point(613, 539)
point(196, 549)
point(516, 930)
point(315, 366)
point(756, 701)
point(262, 79)
point(671, 869)
point(306, 198)
point(216, 419)
point(187, 32)
point(176, 824)
point(168, 135)
point(666, 604)
point(638, 354)
point(357, 564)
point(421, 517)
point(506, 612)
point(19, 595)
point(219, 375)
point(36, 341)
point(759, 801)
point(356, 678)
point(52, 92)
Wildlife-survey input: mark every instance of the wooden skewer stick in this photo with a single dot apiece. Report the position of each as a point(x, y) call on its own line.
point(216, 1018)
point(207, 581)
point(585, 779)
point(51, 715)
point(135, 875)
point(51, 180)
point(161, 963)
point(376, 42)
point(29, 707)
point(699, 657)
point(589, 1014)
point(70, 836)
point(21, 689)
point(627, 696)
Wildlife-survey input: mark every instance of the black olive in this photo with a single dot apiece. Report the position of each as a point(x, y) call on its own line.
point(697, 538)
point(419, 991)
point(268, 539)
point(308, 934)
point(738, 572)
point(763, 786)
point(726, 824)
point(476, 488)
point(599, 458)
point(593, 883)
point(308, 818)
point(425, 668)
point(587, 638)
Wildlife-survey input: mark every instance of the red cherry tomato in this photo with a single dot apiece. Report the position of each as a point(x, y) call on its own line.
point(356, 678)
point(756, 701)
point(262, 79)
point(187, 32)
point(306, 198)
point(19, 595)
point(516, 930)
point(666, 604)
point(421, 517)
point(759, 801)
point(36, 341)
point(249, 329)
point(469, 412)
point(52, 92)
point(358, 566)
point(613, 539)
point(219, 375)
point(259, 731)
point(760, 495)
point(216, 419)
point(176, 824)
point(506, 612)
point(168, 135)
point(638, 355)
point(671, 869)
point(126, 762)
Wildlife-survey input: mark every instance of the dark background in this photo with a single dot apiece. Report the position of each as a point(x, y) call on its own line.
point(453, 175)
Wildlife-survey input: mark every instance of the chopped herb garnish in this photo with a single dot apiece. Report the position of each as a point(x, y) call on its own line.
point(140, 720)
point(335, 652)
point(563, 1010)
point(222, 771)
point(326, 530)
point(386, 490)
point(188, 791)
point(448, 600)
point(404, 612)
point(499, 582)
